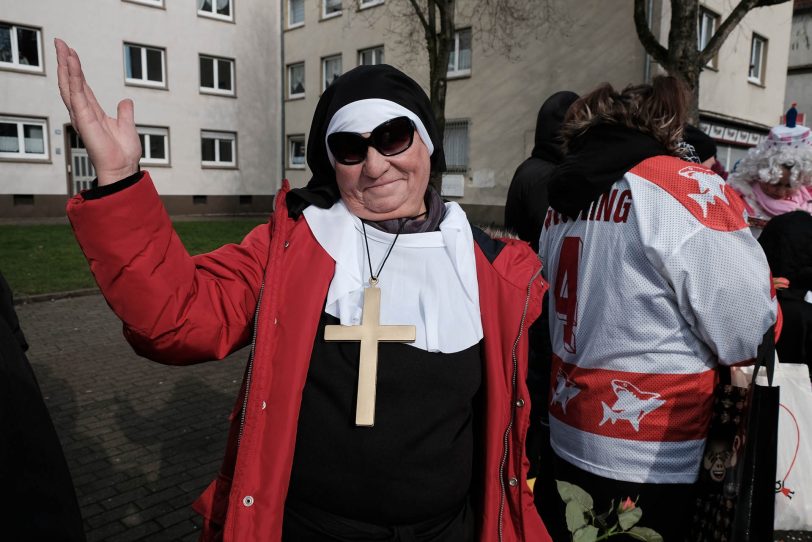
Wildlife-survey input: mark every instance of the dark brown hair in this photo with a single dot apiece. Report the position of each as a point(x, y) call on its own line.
point(658, 109)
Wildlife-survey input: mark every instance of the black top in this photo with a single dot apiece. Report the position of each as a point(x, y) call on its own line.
point(416, 463)
point(40, 501)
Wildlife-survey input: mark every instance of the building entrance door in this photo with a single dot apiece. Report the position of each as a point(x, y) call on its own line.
point(81, 169)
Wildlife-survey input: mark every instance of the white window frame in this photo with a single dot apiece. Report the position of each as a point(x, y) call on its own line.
point(219, 136)
point(148, 132)
point(704, 33)
point(213, 13)
point(293, 139)
point(290, 14)
point(456, 72)
point(15, 51)
point(325, 15)
point(296, 95)
point(21, 154)
point(451, 124)
point(151, 3)
point(324, 61)
point(216, 74)
point(762, 60)
point(364, 4)
point(144, 82)
point(377, 53)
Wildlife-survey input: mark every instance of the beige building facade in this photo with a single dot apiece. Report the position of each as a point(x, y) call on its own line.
point(493, 101)
point(204, 76)
point(225, 89)
point(799, 69)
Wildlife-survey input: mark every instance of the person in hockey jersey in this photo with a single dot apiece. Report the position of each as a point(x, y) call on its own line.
point(655, 281)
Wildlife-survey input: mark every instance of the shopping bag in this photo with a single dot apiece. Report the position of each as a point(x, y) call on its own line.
point(793, 486)
point(735, 497)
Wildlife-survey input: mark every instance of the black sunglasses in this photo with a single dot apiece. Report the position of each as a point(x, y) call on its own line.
point(390, 138)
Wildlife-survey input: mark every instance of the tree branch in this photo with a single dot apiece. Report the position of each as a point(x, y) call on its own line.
point(724, 30)
point(647, 39)
point(420, 16)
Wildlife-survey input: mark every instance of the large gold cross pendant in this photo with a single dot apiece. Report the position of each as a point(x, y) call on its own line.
point(369, 333)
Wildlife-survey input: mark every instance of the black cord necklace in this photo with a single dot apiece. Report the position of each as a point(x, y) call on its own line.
point(373, 277)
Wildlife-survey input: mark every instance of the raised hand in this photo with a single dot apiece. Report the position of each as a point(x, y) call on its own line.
point(112, 143)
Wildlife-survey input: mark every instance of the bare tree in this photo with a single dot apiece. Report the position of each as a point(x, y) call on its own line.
point(682, 58)
point(501, 26)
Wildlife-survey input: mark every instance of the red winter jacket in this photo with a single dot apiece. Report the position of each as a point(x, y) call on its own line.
point(269, 291)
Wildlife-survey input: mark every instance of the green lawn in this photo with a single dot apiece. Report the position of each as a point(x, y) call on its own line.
point(46, 258)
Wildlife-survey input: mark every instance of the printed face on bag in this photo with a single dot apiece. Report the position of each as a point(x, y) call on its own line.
point(718, 458)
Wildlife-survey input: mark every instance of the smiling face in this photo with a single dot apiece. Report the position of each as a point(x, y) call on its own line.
point(386, 187)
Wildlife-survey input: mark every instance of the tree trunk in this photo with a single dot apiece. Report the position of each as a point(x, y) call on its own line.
point(439, 36)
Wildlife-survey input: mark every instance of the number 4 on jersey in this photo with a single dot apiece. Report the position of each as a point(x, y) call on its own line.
point(566, 288)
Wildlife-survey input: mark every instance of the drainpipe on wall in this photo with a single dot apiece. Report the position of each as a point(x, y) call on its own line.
point(282, 139)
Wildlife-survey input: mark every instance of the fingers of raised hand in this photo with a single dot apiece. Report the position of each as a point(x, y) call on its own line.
point(62, 53)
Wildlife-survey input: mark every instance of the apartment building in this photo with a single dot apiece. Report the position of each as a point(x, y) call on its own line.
point(492, 100)
point(799, 68)
point(225, 89)
point(204, 76)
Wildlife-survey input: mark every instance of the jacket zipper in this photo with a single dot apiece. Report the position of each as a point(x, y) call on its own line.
point(506, 440)
point(250, 367)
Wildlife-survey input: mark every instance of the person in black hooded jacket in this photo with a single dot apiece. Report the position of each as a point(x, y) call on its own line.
point(525, 208)
point(34, 475)
point(527, 199)
point(787, 243)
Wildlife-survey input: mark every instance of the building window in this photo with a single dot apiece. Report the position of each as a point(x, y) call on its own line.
point(371, 56)
point(216, 75)
point(758, 57)
point(296, 152)
point(330, 8)
point(296, 80)
point(295, 13)
point(154, 3)
point(707, 24)
point(144, 65)
point(217, 9)
point(330, 70)
point(20, 48)
point(455, 145)
point(154, 145)
point(23, 138)
point(218, 149)
point(369, 3)
point(459, 57)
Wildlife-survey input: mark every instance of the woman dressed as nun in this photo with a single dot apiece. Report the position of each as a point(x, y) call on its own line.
point(384, 397)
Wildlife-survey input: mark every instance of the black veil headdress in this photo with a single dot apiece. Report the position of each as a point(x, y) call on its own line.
point(364, 82)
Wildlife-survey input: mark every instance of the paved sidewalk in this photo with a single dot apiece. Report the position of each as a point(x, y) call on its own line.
point(142, 439)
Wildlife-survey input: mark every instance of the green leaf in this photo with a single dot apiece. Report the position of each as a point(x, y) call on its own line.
point(629, 518)
point(587, 534)
point(570, 492)
point(576, 516)
point(645, 534)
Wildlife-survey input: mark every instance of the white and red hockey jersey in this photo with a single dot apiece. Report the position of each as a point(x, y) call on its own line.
point(651, 288)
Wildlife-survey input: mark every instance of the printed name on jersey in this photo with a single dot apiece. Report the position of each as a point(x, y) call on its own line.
point(613, 206)
point(703, 193)
point(650, 407)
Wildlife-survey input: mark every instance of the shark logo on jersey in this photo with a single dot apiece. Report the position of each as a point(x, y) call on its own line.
point(632, 404)
point(711, 187)
point(565, 390)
